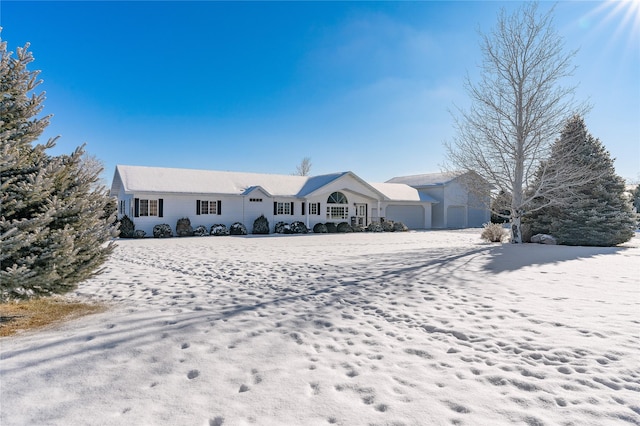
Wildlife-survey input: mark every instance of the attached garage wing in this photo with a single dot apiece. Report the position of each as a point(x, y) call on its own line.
point(456, 217)
point(412, 216)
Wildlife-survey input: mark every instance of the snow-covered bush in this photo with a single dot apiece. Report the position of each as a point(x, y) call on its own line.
point(344, 227)
point(238, 229)
point(219, 229)
point(387, 226)
point(298, 227)
point(331, 227)
point(320, 228)
point(184, 228)
point(162, 231)
point(139, 233)
point(282, 228)
point(375, 227)
point(357, 228)
point(400, 227)
point(200, 231)
point(260, 225)
point(493, 232)
point(127, 227)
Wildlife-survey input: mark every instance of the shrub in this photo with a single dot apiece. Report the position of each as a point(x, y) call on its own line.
point(493, 232)
point(400, 227)
point(127, 227)
point(162, 231)
point(320, 228)
point(282, 228)
point(387, 226)
point(219, 229)
point(139, 233)
point(331, 227)
point(375, 227)
point(200, 231)
point(183, 227)
point(344, 227)
point(298, 227)
point(357, 228)
point(238, 229)
point(260, 225)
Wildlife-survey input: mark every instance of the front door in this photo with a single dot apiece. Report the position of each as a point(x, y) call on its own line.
point(361, 214)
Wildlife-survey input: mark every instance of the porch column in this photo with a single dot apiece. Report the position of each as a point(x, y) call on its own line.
point(306, 212)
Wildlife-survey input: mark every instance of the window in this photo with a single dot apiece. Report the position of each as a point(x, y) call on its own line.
point(255, 200)
point(314, 208)
point(208, 207)
point(337, 212)
point(153, 207)
point(337, 198)
point(148, 207)
point(123, 207)
point(284, 208)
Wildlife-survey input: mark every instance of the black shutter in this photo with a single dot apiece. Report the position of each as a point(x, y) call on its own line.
point(219, 207)
point(292, 207)
point(197, 207)
point(303, 209)
point(160, 205)
point(136, 209)
point(319, 209)
point(275, 208)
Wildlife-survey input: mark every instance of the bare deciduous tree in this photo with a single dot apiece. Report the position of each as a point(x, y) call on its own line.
point(304, 168)
point(518, 107)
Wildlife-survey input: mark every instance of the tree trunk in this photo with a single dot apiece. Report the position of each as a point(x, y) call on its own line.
point(516, 227)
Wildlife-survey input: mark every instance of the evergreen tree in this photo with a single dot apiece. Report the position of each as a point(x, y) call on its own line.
point(53, 226)
point(599, 214)
point(636, 198)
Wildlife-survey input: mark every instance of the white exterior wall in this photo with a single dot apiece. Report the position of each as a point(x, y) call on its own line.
point(177, 206)
point(437, 210)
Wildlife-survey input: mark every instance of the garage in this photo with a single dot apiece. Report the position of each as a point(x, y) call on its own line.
point(456, 217)
point(412, 216)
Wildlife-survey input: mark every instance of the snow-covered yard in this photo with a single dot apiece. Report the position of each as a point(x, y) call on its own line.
point(419, 328)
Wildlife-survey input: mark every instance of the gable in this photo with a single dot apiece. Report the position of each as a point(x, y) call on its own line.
point(349, 182)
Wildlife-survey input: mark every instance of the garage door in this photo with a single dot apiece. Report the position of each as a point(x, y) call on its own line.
point(456, 217)
point(412, 216)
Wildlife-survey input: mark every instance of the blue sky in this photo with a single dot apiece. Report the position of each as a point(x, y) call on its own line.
point(256, 87)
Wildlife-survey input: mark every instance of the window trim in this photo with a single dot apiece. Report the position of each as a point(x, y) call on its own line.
point(283, 208)
point(154, 207)
point(213, 207)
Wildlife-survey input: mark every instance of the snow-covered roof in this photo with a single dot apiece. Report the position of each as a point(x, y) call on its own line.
point(190, 181)
point(172, 180)
point(401, 192)
point(428, 179)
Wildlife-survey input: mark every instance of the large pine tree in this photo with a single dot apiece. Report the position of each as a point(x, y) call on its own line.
point(53, 229)
point(599, 214)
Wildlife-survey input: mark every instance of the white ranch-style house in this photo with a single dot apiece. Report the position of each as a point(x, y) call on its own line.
point(155, 195)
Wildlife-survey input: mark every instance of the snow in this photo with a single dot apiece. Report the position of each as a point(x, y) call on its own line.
point(418, 328)
point(189, 181)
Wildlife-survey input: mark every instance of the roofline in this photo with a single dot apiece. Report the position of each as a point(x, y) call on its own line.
point(356, 177)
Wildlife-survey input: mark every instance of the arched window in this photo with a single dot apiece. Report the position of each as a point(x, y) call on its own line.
point(340, 211)
point(337, 198)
